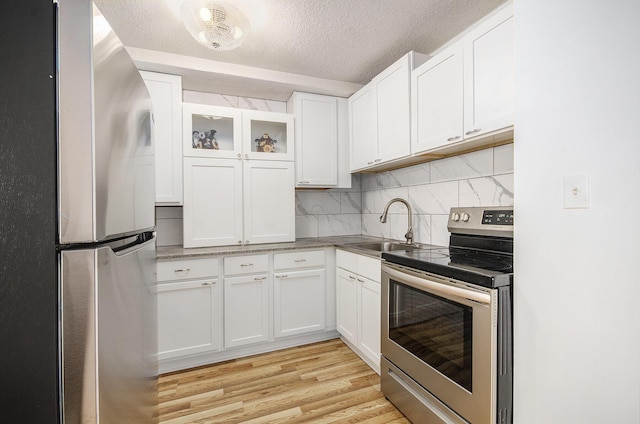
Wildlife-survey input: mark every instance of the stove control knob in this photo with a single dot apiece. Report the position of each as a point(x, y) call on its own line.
point(455, 217)
point(465, 217)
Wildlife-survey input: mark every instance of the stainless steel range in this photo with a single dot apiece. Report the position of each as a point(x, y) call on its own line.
point(447, 342)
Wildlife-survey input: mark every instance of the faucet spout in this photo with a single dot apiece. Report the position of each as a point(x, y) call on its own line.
point(383, 218)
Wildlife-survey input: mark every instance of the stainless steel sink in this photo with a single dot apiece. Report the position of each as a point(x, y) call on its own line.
point(384, 246)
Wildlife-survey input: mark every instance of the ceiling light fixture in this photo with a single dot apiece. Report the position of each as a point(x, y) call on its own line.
point(217, 25)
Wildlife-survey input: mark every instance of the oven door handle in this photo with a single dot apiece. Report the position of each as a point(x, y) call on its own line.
point(424, 284)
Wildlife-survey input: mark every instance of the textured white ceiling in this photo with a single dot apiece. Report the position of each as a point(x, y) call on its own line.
point(332, 40)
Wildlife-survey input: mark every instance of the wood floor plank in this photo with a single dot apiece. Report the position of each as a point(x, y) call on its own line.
point(322, 382)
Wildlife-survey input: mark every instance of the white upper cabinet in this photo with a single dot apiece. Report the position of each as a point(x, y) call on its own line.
point(211, 131)
point(379, 116)
point(463, 96)
point(321, 131)
point(238, 177)
point(166, 97)
point(269, 202)
point(437, 100)
point(267, 135)
point(489, 75)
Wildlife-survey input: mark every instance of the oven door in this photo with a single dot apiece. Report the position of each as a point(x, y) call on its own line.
point(442, 334)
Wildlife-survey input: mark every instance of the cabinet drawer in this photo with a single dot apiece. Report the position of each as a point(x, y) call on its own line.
point(185, 269)
point(347, 260)
point(234, 265)
point(369, 267)
point(302, 259)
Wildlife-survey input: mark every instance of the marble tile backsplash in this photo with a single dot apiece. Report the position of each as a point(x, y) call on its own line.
point(482, 178)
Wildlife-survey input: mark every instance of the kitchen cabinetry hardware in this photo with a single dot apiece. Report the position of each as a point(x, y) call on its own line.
point(351, 277)
point(282, 276)
point(260, 278)
point(360, 280)
point(303, 182)
point(243, 265)
point(454, 138)
point(182, 270)
point(477, 130)
point(208, 284)
point(377, 160)
point(299, 260)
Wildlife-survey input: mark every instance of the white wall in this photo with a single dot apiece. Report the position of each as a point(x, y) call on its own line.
point(577, 286)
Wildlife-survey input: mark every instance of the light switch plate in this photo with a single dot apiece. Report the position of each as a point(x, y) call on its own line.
point(575, 190)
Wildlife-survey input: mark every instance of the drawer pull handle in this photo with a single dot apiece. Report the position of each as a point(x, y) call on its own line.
point(477, 130)
point(282, 276)
point(303, 182)
point(260, 278)
point(453, 138)
point(182, 270)
point(360, 280)
point(208, 284)
point(352, 277)
point(246, 264)
point(300, 260)
point(377, 160)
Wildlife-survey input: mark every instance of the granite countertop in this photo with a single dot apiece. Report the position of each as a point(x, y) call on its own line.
point(178, 252)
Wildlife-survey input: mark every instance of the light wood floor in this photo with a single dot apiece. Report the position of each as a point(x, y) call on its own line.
point(323, 382)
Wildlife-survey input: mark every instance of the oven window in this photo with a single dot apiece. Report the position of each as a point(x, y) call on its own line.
point(434, 329)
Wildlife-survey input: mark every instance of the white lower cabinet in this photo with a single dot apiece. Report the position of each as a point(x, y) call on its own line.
point(246, 310)
point(299, 302)
point(189, 311)
point(359, 304)
point(219, 308)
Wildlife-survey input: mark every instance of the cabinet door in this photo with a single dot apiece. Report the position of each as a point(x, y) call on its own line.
point(212, 212)
point(316, 140)
point(363, 135)
point(246, 310)
point(299, 302)
point(437, 101)
point(189, 317)
point(166, 96)
point(347, 303)
point(267, 135)
point(393, 103)
point(489, 75)
point(269, 202)
point(369, 318)
point(211, 131)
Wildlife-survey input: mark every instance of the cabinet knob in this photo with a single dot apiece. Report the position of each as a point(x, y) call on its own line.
point(239, 156)
point(477, 130)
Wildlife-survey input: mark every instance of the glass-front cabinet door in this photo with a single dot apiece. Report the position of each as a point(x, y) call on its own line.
point(267, 135)
point(211, 131)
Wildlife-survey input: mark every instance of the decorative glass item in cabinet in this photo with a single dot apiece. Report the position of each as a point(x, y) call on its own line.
point(211, 132)
point(268, 137)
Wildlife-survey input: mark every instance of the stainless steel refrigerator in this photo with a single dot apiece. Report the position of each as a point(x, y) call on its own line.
point(106, 219)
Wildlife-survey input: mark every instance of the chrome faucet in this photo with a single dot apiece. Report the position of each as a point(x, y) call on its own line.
point(383, 217)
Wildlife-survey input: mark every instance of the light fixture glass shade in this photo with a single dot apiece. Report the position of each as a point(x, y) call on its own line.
point(217, 25)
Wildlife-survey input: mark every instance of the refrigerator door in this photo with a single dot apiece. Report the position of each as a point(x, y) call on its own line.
point(109, 334)
point(106, 167)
